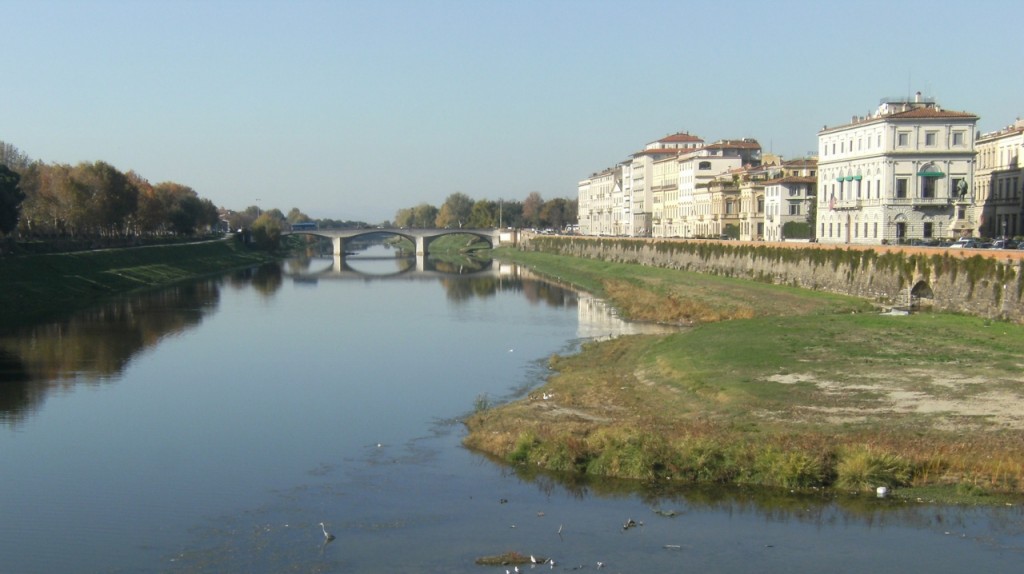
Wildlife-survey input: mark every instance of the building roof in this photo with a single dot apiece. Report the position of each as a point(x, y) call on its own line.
point(929, 112)
point(736, 144)
point(1010, 130)
point(681, 137)
point(916, 112)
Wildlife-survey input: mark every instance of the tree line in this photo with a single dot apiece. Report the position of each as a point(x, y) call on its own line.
point(93, 200)
point(96, 200)
point(461, 211)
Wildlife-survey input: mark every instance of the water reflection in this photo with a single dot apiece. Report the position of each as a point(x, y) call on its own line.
point(95, 345)
point(212, 455)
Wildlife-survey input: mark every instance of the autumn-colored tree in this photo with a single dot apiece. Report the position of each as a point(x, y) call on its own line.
point(105, 199)
point(47, 199)
point(455, 211)
point(531, 209)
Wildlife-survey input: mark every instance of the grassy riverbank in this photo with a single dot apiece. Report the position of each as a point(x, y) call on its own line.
point(772, 386)
point(37, 287)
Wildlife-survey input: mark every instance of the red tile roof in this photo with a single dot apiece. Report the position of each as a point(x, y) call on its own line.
point(680, 137)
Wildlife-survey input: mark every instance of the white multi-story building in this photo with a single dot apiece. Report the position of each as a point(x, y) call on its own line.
point(665, 192)
point(787, 200)
point(998, 182)
point(641, 168)
point(597, 197)
point(899, 174)
point(702, 207)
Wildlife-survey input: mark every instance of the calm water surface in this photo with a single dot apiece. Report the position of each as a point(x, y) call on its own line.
point(213, 426)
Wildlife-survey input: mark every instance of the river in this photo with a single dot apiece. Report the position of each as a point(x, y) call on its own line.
point(211, 427)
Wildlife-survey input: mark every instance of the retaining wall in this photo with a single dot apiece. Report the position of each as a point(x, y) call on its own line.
point(988, 285)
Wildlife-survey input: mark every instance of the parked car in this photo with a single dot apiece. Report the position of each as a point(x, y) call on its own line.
point(965, 243)
point(1004, 244)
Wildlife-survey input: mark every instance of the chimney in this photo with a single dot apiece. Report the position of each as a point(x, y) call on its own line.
point(917, 98)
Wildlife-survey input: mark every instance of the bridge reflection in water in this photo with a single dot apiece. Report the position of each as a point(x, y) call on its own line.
point(419, 266)
point(597, 318)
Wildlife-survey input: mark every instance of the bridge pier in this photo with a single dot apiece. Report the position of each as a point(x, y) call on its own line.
point(339, 247)
point(422, 243)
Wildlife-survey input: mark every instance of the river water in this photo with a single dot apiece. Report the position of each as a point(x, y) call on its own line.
point(212, 426)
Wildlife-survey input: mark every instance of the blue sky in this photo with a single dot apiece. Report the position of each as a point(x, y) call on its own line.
point(354, 109)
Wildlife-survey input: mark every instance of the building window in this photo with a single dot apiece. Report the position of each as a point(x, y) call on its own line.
point(901, 187)
point(958, 138)
point(794, 209)
point(875, 230)
point(760, 205)
point(927, 233)
point(957, 186)
point(704, 165)
point(928, 187)
point(903, 139)
point(930, 138)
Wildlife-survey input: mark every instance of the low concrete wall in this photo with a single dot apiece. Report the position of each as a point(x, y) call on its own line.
point(987, 284)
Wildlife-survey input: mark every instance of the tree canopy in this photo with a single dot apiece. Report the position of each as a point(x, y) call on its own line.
point(11, 197)
point(460, 210)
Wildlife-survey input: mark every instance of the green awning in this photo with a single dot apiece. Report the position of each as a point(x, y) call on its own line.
point(857, 177)
point(849, 178)
point(931, 174)
point(839, 179)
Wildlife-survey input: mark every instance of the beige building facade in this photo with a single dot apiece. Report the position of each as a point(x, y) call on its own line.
point(998, 181)
point(899, 175)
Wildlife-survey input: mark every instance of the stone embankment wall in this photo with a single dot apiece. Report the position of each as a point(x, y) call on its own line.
point(963, 281)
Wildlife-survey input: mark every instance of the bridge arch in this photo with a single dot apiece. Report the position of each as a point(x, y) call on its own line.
point(420, 238)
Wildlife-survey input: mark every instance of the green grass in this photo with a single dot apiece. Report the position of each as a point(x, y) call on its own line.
point(38, 287)
point(772, 386)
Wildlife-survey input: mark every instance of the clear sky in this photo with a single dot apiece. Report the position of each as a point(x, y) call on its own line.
point(354, 109)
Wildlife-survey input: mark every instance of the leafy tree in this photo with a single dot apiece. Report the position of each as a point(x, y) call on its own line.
point(47, 205)
point(11, 197)
point(510, 213)
point(531, 209)
point(296, 216)
point(266, 231)
point(424, 215)
point(404, 217)
point(553, 213)
point(455, 211)
point(106, 199)
point(483, 215)
point(12, 157)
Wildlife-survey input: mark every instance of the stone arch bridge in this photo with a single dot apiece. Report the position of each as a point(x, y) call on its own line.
point(421, 238)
